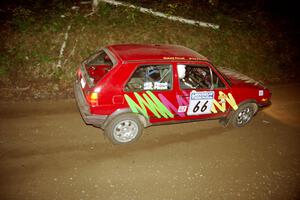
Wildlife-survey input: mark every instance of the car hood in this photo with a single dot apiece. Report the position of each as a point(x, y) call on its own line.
point(239, 79)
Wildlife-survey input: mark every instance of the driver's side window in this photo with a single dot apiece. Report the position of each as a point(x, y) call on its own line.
point(198, 77)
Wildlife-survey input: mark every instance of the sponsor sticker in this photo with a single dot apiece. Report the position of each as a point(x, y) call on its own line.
point(148, 86)
point(182, 108)
point(160, 86)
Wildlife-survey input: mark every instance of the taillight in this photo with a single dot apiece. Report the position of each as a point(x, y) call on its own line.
point(93, 97)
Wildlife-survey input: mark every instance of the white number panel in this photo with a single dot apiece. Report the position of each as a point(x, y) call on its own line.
point(200, 102)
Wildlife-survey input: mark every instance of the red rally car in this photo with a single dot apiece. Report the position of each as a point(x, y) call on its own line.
point(124, 88)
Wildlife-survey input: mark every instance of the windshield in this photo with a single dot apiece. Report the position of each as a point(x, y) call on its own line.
point(219, 69)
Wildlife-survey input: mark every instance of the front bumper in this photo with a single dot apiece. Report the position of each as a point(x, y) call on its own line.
point(84, 108)
point(264, 104)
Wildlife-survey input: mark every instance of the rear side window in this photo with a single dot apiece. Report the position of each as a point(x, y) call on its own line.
point(151, 77)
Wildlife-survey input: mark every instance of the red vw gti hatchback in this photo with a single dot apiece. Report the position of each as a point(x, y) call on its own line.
point(125, 88)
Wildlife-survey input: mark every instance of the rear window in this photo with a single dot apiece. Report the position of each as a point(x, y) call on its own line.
point(100, 58)
point(97, 66)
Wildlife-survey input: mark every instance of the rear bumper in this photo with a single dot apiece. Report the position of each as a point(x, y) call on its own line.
point(84, 108)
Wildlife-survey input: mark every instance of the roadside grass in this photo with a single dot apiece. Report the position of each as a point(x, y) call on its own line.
point(31, 46)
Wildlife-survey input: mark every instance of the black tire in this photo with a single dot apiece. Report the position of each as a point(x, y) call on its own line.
point(244, 114)
point(124, 129)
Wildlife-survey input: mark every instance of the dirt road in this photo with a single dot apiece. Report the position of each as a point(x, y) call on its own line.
point(47, 152)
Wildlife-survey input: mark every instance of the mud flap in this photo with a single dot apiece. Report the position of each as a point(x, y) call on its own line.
point(226, 121)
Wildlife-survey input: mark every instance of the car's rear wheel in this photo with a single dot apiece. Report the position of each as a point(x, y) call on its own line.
point(124, 129)
point(244, 114)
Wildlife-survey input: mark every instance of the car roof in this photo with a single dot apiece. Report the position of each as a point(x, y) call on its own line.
point(154, 52)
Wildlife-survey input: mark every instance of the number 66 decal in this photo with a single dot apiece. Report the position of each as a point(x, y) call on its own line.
point(200, 102)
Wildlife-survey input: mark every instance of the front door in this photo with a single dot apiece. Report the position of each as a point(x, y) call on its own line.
point(204, 91)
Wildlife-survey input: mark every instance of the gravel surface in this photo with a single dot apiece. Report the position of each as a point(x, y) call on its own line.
point(47, 152)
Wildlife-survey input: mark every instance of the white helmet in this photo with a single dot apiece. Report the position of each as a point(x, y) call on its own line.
point(181, 71)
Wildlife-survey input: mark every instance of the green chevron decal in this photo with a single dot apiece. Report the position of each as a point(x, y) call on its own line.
point(150, 101)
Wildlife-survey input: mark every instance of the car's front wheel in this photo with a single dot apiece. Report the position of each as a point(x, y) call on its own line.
point(124, 129)
point(244, 114)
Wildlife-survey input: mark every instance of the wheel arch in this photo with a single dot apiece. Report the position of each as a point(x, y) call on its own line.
point(251, 101)
point(227, 120)
point(119, 112)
